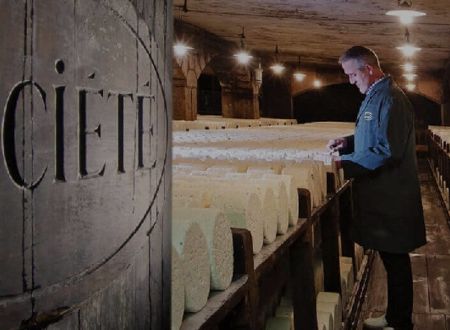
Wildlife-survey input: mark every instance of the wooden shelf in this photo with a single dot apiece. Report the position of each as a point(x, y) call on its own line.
point(220, 303)
point(259, 280)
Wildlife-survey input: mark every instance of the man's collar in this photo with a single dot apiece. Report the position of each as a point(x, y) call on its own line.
point(376, 82)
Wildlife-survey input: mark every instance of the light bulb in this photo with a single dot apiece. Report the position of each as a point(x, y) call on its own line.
point(243, 57)
point(317, 83)
point(277, 68)
point(408, 67)
point(180, 49)
point(410, 86)
point(299, 76)
point(408, 50)
point(409, 76)
point(406, 16)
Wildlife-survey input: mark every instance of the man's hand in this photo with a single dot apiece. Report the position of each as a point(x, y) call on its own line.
point(336, 144)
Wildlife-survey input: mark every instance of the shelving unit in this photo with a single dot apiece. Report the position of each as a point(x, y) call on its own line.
point(288, 262)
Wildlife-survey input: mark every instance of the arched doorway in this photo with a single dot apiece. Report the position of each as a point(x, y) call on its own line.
point(209, 93)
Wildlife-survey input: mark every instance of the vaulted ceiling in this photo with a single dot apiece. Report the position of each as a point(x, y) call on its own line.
point(320, 30)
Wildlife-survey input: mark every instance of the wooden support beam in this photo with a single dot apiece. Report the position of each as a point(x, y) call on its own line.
point(302, 279)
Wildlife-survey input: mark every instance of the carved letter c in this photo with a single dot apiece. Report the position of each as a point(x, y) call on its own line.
point(8, 128)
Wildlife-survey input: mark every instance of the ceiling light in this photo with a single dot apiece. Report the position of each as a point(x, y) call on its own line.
point(242, 56)
point(180, 49)
point(410, 86)
point(317, 83)
point(406, 16)
point(277, 67)
point(409, 76)
point(405, 13)
point(407, 49)
point(408, 67)
point(298, 75)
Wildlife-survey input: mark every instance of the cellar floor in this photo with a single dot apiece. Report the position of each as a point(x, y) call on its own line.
point(430, 264)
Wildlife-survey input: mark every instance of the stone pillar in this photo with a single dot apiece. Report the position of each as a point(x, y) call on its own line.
point(85, 175)
point(227, 101)
point(179, 91)
point(191, 96)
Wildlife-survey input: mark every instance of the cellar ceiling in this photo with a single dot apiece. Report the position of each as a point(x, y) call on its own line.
point(320, 30)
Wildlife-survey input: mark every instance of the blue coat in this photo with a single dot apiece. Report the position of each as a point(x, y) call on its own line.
point(381, 157)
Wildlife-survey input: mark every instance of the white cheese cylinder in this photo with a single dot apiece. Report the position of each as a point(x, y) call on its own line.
point(331, 302)
point(292, 195)
point(217, 232)
point(268, 202)
point(281, 199)
point(241, 210)
point(190, 243)
point(325, 320)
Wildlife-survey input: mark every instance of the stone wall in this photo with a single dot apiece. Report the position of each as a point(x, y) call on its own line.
point(214, 55)
point(85, 174)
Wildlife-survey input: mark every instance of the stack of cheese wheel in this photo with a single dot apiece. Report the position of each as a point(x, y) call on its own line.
point(292, 195)
point(243, 210)
point(299, 142)
point(188, 196)
point(241, 207)
point(269, 204)
point(216, 230)
point(330, 302)
point(303, 177)
point(221, 169)
point(281, 197)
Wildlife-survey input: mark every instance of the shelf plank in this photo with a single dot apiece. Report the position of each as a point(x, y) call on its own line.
point(220, 303)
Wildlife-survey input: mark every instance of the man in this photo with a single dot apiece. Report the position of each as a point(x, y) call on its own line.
point(381, 158)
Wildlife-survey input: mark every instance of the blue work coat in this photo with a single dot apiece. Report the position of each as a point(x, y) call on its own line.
point(381, 157)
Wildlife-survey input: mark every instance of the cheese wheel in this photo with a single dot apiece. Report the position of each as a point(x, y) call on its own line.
point(242, 208)
point(292, 195)
point(190, 243)
point(303, 178)
point(239, 207)
point(268, 202)
point(281, 199)
point(217, 232)
point(331, 301)
point(325, 320)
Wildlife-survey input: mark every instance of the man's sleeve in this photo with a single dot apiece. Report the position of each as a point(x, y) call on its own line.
point(391, 138)
point(349, 145)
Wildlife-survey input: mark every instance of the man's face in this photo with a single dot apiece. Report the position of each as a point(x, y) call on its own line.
point(358, 74)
